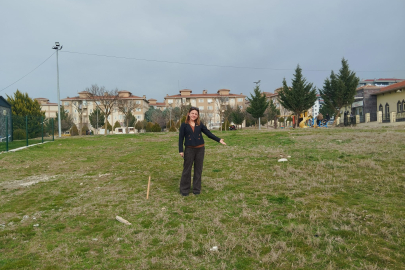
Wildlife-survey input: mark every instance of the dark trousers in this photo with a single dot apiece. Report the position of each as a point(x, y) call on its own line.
point(192, 156)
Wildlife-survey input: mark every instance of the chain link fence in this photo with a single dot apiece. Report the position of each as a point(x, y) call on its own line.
point(19, 131)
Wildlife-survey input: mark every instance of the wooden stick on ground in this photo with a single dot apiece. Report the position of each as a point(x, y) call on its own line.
point(147, 193)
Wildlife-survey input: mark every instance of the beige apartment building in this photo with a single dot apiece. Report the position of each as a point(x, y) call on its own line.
point(157, 105)
point(274, 96)
point(71, 105)
point(49, 108)
point(210, 105)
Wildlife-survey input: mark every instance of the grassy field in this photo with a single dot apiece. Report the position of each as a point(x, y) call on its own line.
point(21, 143)
point(338, 203)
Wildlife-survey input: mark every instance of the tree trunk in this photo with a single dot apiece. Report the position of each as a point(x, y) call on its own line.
point(105, 125)
point(259, 123)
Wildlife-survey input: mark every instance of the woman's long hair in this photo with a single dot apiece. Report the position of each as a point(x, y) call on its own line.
point(197, 121)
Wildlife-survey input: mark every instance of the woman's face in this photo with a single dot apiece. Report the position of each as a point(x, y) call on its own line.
point(193, 115)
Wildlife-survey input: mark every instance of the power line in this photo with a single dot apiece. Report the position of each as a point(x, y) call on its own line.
point(209, 65)
point(27, 73)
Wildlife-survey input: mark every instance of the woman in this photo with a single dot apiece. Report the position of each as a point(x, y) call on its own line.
point(190, 133)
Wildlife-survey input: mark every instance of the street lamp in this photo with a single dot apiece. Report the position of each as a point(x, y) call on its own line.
point(56, 47)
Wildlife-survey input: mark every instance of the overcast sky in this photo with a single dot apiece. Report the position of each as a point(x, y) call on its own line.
point(256, 39)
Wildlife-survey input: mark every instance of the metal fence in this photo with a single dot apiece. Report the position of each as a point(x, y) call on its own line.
point(362, 119)
point(373, 117)
point(25, 131)
point(350, 121)
point(386, 118)
point(400, 117)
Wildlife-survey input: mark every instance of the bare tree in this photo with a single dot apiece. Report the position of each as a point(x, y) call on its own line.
point(221, 103)
point(126, 107)
point(78, 105)
point(105, 100)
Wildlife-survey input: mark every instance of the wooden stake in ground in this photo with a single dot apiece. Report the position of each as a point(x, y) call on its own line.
point(147, 192)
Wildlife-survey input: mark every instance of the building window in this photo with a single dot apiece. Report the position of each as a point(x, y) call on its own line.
point(137, 102)
point(66, 111)
point(387, 108)
point(201, 100)
point(209, 100)
point(66, 103)
point(380, 108)
point(170, 101)
point(85, 102)
point(399, 106)
point(240, 99)
point(201, 108)
point(138, 109)
point(210, 108)
point(403, 105)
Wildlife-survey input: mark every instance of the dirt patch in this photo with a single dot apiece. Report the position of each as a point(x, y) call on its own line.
point(29, 181)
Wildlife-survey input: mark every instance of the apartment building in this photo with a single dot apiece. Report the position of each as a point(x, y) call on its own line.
point(274, 96)
point(49, 108)
point(379, 82)
point(210, 105)
point(157, 105)
point(71, 105)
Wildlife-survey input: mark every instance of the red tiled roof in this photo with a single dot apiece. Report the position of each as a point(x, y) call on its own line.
point(392, 87)
point(87, 98)
point(160, 104)
point(204, 95)
point(368, 86)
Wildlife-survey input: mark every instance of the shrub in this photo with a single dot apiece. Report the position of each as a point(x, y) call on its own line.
point(156, 128)
point(149, 127)
point(109, 127)
point(19, 134)
point(281, 120)
point(183, 119)
point(117, 125)
point(74, 131)
point(172, 124)
point(289, 119)
point(84, 129)
point(178, 124)
point(172, 129)
point(139, 126)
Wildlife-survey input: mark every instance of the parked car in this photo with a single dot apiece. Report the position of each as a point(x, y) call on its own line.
point(232, 127)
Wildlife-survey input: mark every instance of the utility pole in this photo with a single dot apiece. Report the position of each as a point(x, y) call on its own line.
point(56, 47)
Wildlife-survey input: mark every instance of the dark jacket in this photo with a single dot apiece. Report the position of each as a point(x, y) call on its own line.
point(194, 138)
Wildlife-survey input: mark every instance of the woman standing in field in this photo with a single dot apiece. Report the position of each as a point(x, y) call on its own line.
point(190, 133)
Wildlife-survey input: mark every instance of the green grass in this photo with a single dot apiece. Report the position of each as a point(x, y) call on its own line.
point(17, 144)
point(338, 203)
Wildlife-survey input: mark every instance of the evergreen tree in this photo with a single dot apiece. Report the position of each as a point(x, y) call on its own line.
point(300, 96)
point(66, 120)
point(258, 104)
point(272, 112)
point(339, 90)
point(130, 120)
point(237, 116)
point(93, 118)
point(116, 125)
point(22, 108)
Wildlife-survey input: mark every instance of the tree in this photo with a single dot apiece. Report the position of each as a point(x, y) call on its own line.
point(66, 120)
point(78, 105)
point(130, 120)
point(237, 116)
point(93, 116)
point(258, 104)
point(126, 107)
point(272, 112)
point(74, 131)
point(23, 106)
point(148, 114)
point(220, 102)
point(105, 100)
point(116, 125)
point(340, 89)
point(299, 97)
